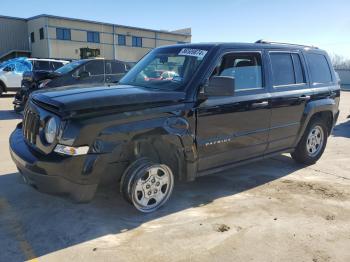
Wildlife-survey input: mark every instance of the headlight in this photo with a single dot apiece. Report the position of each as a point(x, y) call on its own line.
point(51, 129)
point(71, 151)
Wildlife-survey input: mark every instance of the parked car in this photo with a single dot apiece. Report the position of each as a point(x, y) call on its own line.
point(227, 105)
point(86, 72)
point(11, 71)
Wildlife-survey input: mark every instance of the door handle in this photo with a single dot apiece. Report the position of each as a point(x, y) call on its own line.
point(304, 98)
point(260, 104)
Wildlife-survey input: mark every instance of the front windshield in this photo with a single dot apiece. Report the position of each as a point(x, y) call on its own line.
point(69, 67)
point(165, 68)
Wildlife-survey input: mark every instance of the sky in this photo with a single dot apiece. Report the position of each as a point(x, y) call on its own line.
point(325, 24)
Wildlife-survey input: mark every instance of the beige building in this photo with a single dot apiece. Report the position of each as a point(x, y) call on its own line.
point(68, 38)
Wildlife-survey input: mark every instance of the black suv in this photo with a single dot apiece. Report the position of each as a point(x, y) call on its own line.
point(219, 106)
point(86, 72)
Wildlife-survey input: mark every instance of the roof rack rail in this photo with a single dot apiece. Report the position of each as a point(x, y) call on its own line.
point(262, 41)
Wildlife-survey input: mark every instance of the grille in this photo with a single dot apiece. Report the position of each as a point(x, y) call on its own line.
point(31, 122)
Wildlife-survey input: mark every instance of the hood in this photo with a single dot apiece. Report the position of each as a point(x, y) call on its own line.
point(92, 99)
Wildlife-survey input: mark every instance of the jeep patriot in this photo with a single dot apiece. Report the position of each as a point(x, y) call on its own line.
point(220, 105)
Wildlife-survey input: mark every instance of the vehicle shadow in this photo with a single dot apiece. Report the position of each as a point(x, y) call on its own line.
point(342, 129)
point(52, 223)
point(9, 115)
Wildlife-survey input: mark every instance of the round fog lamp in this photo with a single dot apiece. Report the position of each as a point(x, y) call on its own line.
point(51, 130)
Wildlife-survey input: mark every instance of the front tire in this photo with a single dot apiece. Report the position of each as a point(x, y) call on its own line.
point(312, 144)
point(147, 185)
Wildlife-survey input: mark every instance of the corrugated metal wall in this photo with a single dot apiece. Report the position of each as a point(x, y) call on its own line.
point(13, 35)
point(344, 75)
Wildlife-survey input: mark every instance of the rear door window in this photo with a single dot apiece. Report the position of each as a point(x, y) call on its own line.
point(95, 67)
point(118, 68)
point(282, 68)
point(55, 65)
point(41, 65)
point(287, 69)
point(319, 68)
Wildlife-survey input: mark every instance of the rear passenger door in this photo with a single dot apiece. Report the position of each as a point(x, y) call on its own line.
point(290, 92)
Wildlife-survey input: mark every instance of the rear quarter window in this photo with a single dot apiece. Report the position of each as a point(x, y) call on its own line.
point(319, 68)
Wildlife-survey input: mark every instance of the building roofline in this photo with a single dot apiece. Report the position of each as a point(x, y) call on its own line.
point(103, 23)
point(14, 50)
point(13, 17)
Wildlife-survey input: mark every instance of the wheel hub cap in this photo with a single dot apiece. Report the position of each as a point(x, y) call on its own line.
point(315, 141)
point(154, 187)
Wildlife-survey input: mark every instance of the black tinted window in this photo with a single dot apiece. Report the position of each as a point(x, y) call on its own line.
point(41, 33)
point(319, 68)
point(298, 69)
point(118, 68)
point(282, 68)
point(32, 38)
point(56, 65)
point(95, 67)
point(41, 65)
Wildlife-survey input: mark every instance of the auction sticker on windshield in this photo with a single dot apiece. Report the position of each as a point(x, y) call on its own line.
point(193, 52)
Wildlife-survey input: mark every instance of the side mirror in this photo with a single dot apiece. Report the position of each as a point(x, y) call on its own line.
point(7, 69)
point(220, 86)
point(84, 74)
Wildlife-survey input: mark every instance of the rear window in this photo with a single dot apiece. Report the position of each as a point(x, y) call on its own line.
point(319, 68)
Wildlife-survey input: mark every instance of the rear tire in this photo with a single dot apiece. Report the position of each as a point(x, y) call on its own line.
point(147, 185)
point(312, 144)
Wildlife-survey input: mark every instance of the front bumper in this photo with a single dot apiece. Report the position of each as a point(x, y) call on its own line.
point(48, 173)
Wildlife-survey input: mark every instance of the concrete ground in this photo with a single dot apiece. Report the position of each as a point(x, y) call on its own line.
point(274, 210)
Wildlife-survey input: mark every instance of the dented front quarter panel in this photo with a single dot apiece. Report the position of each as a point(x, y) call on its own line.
point(112, 135)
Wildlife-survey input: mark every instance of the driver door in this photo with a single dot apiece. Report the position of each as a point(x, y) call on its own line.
point(235, 128)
